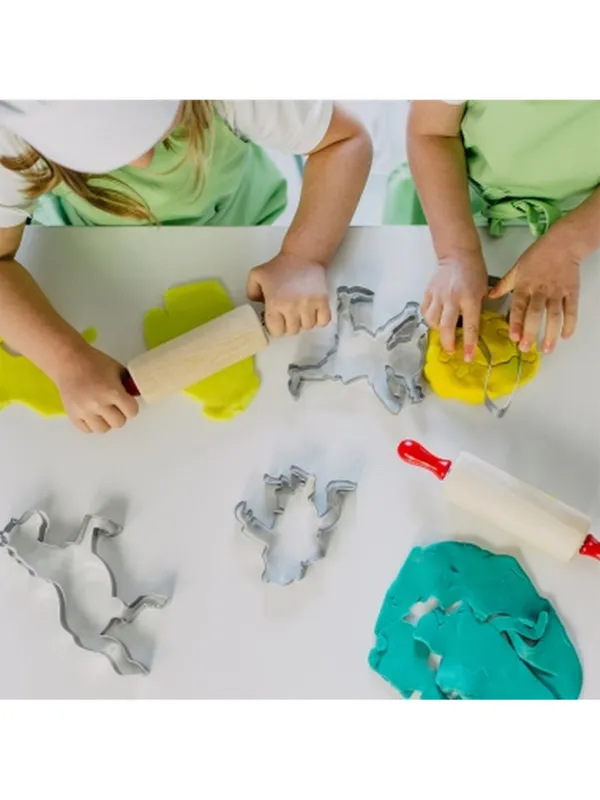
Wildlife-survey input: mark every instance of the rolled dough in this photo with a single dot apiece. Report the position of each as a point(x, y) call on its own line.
point(186, 307)
point(496, 637)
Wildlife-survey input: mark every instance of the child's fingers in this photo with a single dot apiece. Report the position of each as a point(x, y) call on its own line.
point(504, 285)
point(253, 287)
point(127, 405)
point(292, 322)
point(81, 425)
point(518, 311)
point(426, 303)
point(97, 424)
point(275, 323)
point(113, 417)
point(308, 318)
point(448, 322)
point(471, 314)
point(554, 317)
point(570, 315)
point(533, 321)
point(323, 314)
point(434, 314)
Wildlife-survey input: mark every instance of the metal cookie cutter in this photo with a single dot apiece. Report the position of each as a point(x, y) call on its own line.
point(51, 563)
point(391, 357)
point(279, 566)
point(501, 307)
point(496, 410)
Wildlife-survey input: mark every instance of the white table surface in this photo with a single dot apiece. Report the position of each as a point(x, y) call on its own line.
point(174, 478)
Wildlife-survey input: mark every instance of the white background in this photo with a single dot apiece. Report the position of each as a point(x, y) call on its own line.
point(174, 478)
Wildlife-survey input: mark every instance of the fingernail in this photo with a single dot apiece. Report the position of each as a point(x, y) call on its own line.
point(514, 336)
point(548, 347)
point(524, 346)
point(468, 354)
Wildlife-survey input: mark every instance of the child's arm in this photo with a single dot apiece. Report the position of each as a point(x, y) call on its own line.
point(437, 163)
point(545, 278)
point(293, 285)
point(334, 178)
point(88, 380)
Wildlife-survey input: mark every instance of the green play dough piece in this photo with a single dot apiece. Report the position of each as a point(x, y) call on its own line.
point(496, 637)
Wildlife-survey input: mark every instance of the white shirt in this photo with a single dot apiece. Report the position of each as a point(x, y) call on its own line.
point(289, 126)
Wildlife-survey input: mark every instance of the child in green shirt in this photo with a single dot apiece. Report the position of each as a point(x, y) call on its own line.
point(501, 163)
point(192, 162)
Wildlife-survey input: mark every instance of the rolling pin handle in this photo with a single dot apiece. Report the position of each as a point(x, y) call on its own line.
point(415, 454)
point(129, 384)
point(590, 547)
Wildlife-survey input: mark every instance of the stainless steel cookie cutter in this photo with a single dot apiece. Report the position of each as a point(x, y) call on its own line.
point(393, 354)
point(501, 307)
point(496, 410)
point(279, 566)
point(51, 563)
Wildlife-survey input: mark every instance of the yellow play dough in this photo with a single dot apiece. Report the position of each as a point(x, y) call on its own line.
point(185, 307)
point(22, 382)
point(450, 377)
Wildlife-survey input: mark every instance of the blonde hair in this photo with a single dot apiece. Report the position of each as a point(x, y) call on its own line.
point(193, 124)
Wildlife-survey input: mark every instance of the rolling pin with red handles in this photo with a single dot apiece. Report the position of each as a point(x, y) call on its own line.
point(173, 366)
point(495, 496)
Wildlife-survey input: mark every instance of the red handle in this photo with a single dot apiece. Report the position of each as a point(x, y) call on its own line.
point(416, 455)
point(590, 547)
point(129, 384)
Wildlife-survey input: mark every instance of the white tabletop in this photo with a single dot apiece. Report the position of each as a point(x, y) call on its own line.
point(174, 478)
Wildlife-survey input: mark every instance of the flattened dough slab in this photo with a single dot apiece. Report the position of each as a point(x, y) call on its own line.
point(230, 391)
point(483, 621)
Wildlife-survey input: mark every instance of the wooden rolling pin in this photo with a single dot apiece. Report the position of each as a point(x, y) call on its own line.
point(498, 498)
point(198, 354)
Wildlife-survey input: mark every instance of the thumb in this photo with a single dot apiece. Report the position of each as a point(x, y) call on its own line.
point(254, 287)
point(504, 285)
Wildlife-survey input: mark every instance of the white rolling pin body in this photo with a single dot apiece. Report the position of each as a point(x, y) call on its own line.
point(198, 354)
point(517, 507)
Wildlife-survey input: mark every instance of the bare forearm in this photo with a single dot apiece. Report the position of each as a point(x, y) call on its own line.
point(28, 322)
point(334, 179)
point(579, 230)
point(439, 170)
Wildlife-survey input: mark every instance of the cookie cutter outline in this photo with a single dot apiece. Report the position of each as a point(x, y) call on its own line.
point(278, 490)
point(501, 307)
point(403, 328)
point(498, 411)
point(106, 642)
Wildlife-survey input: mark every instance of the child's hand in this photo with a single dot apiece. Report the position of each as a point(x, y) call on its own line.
point(457, 289)
point(92, 393)
point(544, 279)
point(294, 292)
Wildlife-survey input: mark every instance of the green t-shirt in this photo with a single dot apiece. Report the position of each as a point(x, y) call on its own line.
point(529, 161)
point(241, 186)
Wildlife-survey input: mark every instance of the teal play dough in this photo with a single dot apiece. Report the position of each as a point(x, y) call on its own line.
point(496, 637)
